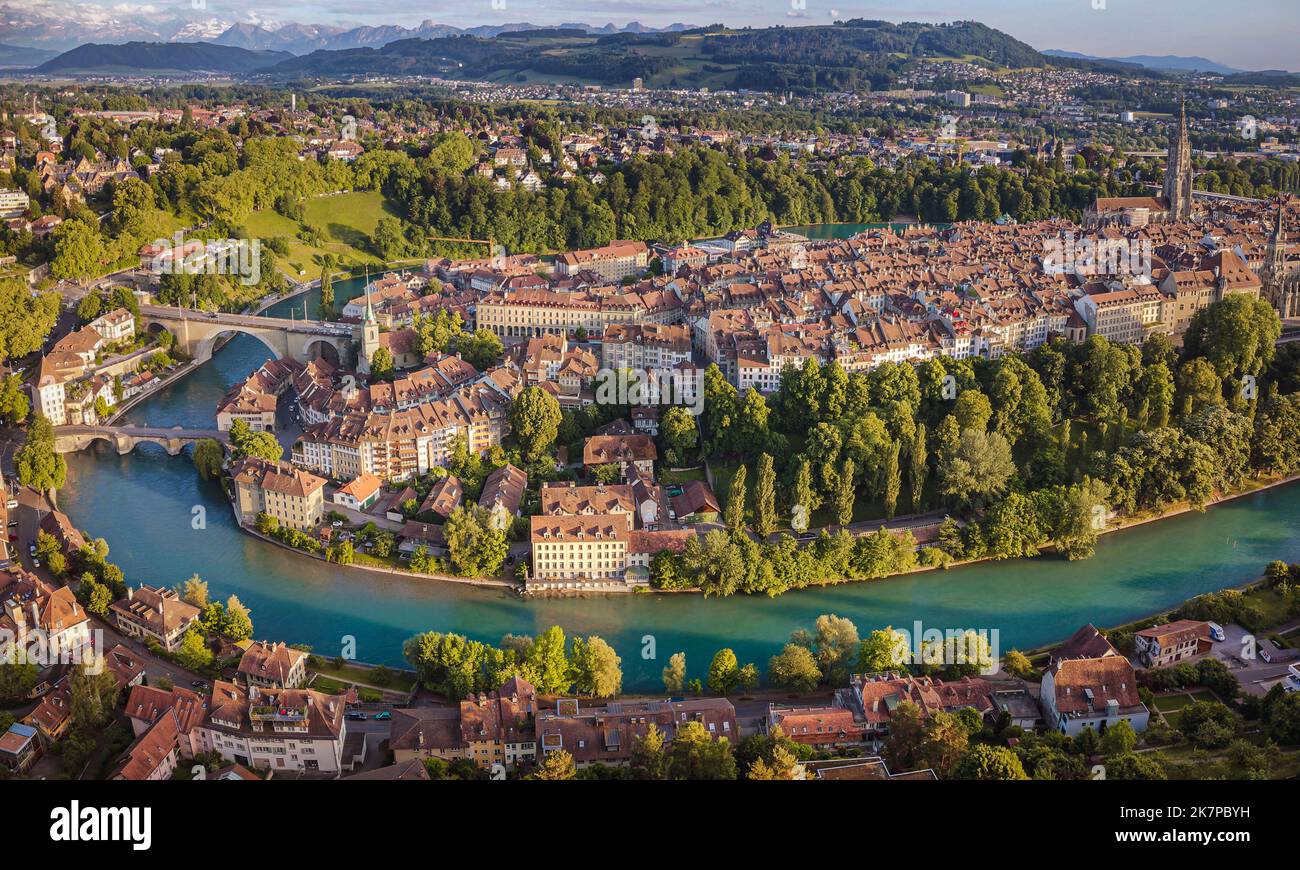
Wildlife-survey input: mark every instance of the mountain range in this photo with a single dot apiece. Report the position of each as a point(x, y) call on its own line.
point(1164, 63)
point(190, 57)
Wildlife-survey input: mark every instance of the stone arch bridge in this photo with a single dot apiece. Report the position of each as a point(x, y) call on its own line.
point(70, 439)
point(197, 333)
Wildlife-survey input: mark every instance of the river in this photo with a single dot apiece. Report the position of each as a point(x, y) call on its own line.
point(143, 505)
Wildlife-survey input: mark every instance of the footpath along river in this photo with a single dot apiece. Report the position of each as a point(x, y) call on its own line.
point(142, 505)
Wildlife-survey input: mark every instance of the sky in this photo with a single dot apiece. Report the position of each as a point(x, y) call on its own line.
point(1248, 34)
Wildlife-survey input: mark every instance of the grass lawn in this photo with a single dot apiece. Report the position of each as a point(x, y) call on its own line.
point(345, 223)
point(401, 681)
point(666, 476)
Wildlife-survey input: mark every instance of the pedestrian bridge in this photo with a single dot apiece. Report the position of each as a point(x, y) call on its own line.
point(197, 333)
point(70, 439)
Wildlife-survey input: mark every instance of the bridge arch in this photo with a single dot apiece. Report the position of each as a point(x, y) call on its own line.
point(320, 346)
point(204, 347)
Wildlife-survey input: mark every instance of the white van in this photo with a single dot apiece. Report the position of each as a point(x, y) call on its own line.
point(1216, 632)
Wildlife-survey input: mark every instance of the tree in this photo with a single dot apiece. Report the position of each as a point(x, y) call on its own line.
point(482, 350)
point(78, 250)
point(326, 294)
point(382, 367)
point(1237, 335)
point(986, 762)
point(535, 422)
point(475, 546)
point(918, 468)
point(893, 481)
point(845, 493)
point(1132, 766)
point(49, 552)
point(675, 674)
point(884, 650)
point(723, 673)
point(193, 652)
point(195, 592)
point(39, 466)
point(973, 410)
point(596, 668)
point(1017, 664)
point(794, 669)
point(695, 755)
point(208, 457)
point(805, 500)
point(245, 442)
point(556, 765)
point(977, 470)
point(735, 514)
point(549, 661)
point(678, 434)
point(1119, 739)
point(237, 624)
point(783, 766)
point(25, 319)
point(765, 498)
point(649, 761)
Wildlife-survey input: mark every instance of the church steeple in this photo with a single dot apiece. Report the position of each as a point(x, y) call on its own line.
point(1178, 171)
point(369, 331)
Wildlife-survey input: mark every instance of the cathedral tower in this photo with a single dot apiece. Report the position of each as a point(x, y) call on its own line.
point(1178, 172)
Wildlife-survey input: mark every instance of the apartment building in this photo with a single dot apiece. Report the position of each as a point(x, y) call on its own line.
point(645, 346)
point(35, 616)
point(580, 548)
point(294, 497)
point(562, 499)
point(298, 730)
point(613, 262)
point(1127, 315)
point(629, 451)
point(606, 733)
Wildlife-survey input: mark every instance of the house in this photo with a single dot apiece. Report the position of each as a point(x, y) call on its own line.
point(360, 493)
point(497, 727)
point(636, 451)
point(606, 733)
point(126, 666)
point(273, 666)
point(1086, 643)
point(696, 503)
point(416, 534)
point(53, 715)
point(290, 495)
point(154, 614)
point(49, 623)
point(426, 732)
point(58, 526)
point(145, 705)
point(444, 497)
point(20, 746)
point(153, 755)
point(870, 768)
point(825, 726)
point(1166, 644)
point(503, 493)
point(298, 730)
point(560, 499)
point(1091, 693)
point(411, 769)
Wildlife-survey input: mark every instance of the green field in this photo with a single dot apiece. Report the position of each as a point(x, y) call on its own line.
point(345, 223)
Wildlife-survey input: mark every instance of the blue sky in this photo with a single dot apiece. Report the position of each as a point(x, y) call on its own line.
point(1249, 34)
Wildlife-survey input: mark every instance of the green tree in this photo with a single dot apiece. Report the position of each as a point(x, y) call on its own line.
point(765, 498)
point(724, 672)
point(535, 422)
point(982, 761)
point(845, 493)
point(735, 513)
point(695, 755)
point(794, 669)
point(675, 674)
point(208, 457)
point(649, 760)
point(237, 624)
point(475, 546)
point(597, 668)
point(550, 662)
point(39, 465)
point(556, 765)
point(918, 468)
point(382, 367)
point(893, 481)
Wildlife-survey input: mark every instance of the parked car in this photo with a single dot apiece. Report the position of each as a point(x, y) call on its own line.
point(198, 684)
point(357, 715)
point(1216, 631)
point(383, 715)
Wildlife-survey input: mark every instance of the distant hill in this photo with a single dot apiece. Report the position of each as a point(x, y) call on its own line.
point(196, 57)
point(303, 39)
point(845, 56)
point(21, 57)
point(1167, 62)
